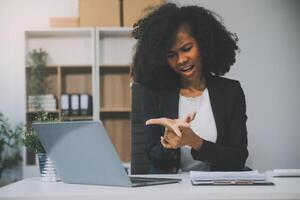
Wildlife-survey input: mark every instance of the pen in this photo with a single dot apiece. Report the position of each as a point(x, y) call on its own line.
point(233, 182)
point(225, 182)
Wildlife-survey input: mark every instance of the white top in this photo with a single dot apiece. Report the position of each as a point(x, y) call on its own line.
point(203, 125)
point(35, 189)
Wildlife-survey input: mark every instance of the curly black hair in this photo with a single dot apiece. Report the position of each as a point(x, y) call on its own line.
point(156, 33)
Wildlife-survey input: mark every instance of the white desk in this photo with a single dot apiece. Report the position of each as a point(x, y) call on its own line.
point(33, 188)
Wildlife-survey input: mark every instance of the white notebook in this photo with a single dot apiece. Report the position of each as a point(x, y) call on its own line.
point(230, 178)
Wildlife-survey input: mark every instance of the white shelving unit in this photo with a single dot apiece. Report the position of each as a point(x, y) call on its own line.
point(72, 46)
point(114, 48)
point(102, 58)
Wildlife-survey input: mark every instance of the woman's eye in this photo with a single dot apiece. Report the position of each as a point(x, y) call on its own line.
point(186, 49)
point(170, 55)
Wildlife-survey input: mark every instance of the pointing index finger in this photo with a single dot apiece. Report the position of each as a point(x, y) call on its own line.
point(156, 121)
point(169, 124)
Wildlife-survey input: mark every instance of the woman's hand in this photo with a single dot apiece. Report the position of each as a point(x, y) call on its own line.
point(172, 125)
point(177, 132)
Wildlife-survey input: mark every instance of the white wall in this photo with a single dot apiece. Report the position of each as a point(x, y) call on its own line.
point(16, 16)
point(268, 69)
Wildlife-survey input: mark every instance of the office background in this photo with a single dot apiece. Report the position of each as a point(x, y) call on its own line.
point(267, 67)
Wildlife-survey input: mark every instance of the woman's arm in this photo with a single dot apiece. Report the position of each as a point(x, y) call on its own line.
point(162, 159)
point(232, 153)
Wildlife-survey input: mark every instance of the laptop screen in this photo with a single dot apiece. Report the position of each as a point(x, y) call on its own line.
point(82, 152)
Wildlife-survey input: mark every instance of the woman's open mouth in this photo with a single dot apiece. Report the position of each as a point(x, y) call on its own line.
point(186, 68)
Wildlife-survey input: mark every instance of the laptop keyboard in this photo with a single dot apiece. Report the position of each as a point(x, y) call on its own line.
point(143, 179)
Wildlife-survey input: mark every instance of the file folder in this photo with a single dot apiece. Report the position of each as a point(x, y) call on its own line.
point(230, 178)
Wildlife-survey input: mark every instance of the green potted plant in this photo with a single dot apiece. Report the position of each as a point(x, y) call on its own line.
point(33, 143)
point(30, 139)
point(37, 60)
point(10, 152)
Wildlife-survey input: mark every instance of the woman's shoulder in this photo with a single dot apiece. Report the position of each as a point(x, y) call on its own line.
point(226, 86)
point(223, 82)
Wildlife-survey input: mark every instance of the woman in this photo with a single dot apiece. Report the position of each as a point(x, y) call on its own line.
point(195, 119)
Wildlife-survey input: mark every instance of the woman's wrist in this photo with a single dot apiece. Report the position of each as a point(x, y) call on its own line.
point(196, 142)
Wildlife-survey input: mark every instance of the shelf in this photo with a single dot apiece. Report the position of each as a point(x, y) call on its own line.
point(47, 67)
point(76, 118)
point(115, 110)
point(115, 66)
point(93, 61)
point(115, 90)
point(114, 31)
point(64, 46)
point(70, 64)
point(63, 66)
point(59, 32)
point(37, 111)
point(76, 66)
point(114, 69)
point(113, 61)
point(114, 46)
point(76, 80)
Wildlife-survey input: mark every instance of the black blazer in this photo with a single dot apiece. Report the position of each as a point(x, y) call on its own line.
point(229, 110)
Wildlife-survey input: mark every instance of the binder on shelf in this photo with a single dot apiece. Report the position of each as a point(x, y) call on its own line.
point(65, 104)
point(84, 104)
point(74, 104)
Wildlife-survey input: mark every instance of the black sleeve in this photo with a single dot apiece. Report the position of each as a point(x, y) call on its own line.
point(231, 154)
point(162, 159)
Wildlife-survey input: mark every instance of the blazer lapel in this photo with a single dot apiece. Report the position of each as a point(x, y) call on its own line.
point(217, 104)
point(169, 103)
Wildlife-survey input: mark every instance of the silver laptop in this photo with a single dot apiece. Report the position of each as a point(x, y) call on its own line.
point(83, 153)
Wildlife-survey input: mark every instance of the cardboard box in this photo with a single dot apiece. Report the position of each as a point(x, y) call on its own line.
point(108, 12)
point(63, 21)
point(134, 9)
point(99, 13)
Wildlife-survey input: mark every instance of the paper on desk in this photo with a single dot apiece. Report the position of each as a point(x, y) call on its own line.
point(286, 172)
point(220, 176)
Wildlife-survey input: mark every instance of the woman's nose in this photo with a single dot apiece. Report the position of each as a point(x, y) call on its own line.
point(182, 59)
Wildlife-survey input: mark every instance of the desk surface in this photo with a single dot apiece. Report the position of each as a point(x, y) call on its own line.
point(33, 188)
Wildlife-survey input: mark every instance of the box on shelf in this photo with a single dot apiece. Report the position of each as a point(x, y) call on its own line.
point(45, 102)
point(99, 13)
point(135, 9)
point(108, 13)
point(63, 22)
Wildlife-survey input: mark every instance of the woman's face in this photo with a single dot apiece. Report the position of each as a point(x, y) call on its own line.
point(184, 57)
